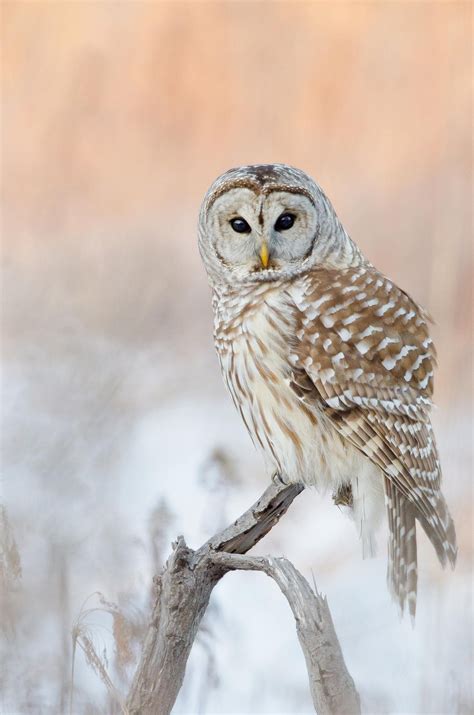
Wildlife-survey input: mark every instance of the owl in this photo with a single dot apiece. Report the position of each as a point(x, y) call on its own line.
point(328, 362)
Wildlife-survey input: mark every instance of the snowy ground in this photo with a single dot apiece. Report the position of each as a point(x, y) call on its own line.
point(128, 433)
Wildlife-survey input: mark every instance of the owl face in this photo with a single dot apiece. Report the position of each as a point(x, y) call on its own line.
point(254, 231)
point(267, 222)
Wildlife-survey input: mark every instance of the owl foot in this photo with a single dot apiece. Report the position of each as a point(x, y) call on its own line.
point(278, 480)
point(343, 496)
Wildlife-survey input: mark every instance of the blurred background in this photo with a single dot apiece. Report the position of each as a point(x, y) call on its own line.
point(117, 432)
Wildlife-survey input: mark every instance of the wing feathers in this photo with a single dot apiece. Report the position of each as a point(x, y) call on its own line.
point(362, 349)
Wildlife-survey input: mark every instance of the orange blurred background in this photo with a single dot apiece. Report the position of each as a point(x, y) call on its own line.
point(118, 115)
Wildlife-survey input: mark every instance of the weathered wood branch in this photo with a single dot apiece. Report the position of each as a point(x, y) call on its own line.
point(332, 688)
point(183, 592)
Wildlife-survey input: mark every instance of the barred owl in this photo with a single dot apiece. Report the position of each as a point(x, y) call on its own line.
point(329, 363)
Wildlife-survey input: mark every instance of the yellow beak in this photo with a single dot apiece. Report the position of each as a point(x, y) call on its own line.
point(264, 255)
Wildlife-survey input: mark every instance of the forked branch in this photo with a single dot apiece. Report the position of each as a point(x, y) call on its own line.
point(183, 592)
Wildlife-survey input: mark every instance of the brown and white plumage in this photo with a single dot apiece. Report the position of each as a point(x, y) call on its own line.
point(328, 362)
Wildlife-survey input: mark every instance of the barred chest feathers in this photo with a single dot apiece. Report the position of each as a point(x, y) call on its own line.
point(253, 332)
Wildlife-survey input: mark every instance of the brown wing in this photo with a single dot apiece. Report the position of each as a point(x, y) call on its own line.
point(363, 350)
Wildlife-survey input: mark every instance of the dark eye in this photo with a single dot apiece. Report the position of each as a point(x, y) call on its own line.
point(240, 225)
point(284, 222)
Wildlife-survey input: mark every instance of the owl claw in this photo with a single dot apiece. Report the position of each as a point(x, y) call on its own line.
point(278, 480)
point(343, 496)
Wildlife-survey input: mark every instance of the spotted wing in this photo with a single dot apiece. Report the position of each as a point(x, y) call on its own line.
point(362, 349)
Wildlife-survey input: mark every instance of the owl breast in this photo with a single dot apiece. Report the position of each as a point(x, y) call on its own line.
point(253, 343)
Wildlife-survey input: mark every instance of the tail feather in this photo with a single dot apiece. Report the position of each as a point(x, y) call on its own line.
point(402, 572)
point(440, 531)
point(402, 558)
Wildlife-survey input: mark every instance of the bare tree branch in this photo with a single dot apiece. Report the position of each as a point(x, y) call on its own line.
point(332, 688)
point(183, 592)
point(256, 522)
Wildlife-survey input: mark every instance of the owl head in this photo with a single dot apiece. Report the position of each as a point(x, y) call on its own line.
point(267, 222)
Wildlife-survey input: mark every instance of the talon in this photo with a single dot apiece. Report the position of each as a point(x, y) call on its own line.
point(343, 496)
point(278, 480)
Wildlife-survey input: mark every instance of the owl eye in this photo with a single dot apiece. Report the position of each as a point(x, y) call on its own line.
point(284, 222)
point(240, 225)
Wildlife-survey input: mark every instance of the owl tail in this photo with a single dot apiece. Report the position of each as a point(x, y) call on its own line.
point(440, 530)
point(402, 564)
point(402, 573)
